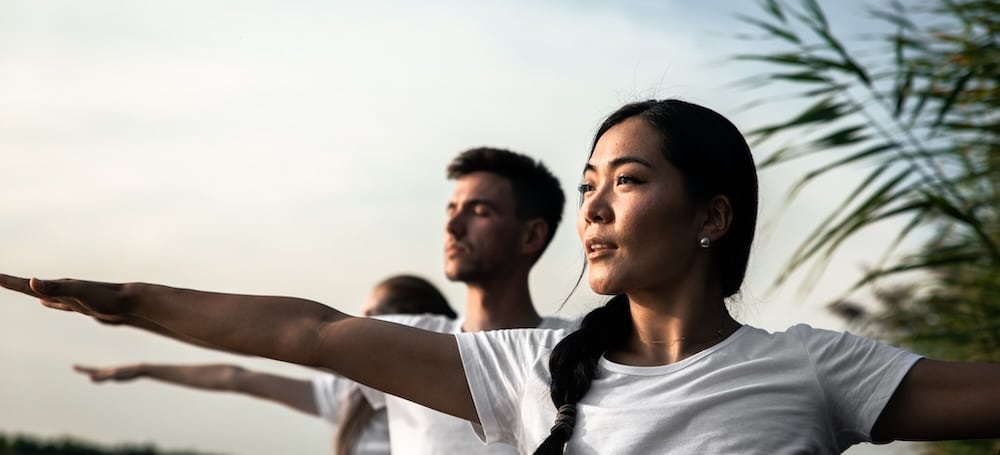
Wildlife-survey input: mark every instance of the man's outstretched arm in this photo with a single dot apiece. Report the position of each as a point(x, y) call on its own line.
point(420, 366)
point(294, 393)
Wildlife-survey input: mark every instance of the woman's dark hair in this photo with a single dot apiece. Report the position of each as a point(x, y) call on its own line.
point(401, 294)
point(714, 159)
point(409, 294)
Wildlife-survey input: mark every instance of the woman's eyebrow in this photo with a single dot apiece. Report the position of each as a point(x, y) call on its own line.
point(618, 162)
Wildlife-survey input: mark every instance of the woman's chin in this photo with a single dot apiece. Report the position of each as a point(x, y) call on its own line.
point(603, 287)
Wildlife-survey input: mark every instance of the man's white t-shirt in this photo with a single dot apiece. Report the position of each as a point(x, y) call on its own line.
point(331, 395)
point(415, 429)
point(804, 390)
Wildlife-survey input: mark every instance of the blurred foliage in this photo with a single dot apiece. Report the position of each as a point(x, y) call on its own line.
point(915, 112)
point(30, 445)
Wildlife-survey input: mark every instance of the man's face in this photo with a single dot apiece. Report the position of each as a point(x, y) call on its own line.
point(482, 234)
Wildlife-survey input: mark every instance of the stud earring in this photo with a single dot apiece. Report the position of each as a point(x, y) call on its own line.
point(704, 242)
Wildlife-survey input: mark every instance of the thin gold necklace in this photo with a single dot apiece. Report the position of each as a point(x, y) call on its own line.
point(716, 336)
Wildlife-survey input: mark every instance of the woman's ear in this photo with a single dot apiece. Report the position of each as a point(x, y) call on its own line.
point(718, 218)
point(533, 236)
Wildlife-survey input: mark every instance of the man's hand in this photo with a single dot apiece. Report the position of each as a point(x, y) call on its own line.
point(105, 302)
point(122, 373)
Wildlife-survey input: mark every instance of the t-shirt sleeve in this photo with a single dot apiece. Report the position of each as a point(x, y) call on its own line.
point(858, 376)
point(329, 391)
point(497, 363)
point(375, 398)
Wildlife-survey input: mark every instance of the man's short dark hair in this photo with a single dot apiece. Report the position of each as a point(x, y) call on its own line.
point(537, 193)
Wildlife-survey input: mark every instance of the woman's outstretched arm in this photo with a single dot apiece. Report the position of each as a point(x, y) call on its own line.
point(943, 400)
point(421, 366)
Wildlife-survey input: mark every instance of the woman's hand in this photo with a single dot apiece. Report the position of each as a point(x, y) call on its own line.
point(106, 302)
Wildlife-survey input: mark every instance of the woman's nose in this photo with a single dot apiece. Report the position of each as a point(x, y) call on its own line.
point(596, 207)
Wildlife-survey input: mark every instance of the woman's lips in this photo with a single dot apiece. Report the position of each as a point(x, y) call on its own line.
point(598, 248)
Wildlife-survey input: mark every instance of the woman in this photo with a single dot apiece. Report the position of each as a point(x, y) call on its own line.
point(667, 219)
point(669, 200)
point(361, 429)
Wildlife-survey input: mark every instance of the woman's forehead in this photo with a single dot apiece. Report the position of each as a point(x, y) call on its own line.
point(632, 140)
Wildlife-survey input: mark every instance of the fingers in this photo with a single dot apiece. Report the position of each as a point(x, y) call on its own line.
point(103, 301)
point(91, 372)
point(102, 318)
point(17, 284)
point(108, 320)
point(64, 287)
point(70, 305)
point(35, 288)
point(58, 305)
point(39, 288)
point(107, 374)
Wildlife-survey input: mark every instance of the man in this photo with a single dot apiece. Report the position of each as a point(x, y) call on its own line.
point(502, 215)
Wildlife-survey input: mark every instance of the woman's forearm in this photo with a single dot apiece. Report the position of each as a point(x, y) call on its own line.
point(283, 328)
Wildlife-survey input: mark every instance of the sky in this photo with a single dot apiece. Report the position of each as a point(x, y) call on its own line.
point(299, 148)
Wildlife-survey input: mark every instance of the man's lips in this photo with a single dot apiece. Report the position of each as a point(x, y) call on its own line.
point(453, 249)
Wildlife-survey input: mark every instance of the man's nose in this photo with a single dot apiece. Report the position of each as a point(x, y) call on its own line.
point(455, 225)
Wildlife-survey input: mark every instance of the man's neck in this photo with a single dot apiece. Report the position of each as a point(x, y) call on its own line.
point(499, 306)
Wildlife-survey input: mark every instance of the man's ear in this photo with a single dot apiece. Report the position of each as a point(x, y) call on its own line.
point(533, 236)
point(718, 218)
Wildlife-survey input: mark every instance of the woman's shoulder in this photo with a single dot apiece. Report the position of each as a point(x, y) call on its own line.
point(538, 337)
point(808, 334)
point(798, 338)
point(799, 332)
point(521, 343)
point(825, 344)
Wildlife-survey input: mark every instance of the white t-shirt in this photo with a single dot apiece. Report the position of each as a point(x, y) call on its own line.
point(331, 394)
point(800, 391)
point(415, 429)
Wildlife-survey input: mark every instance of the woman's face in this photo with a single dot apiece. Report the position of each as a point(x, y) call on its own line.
point(639, 231)
point(373, 304)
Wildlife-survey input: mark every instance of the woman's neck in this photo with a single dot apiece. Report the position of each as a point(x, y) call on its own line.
point(666, 331)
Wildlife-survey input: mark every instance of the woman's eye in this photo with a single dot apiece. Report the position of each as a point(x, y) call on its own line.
point(585, 188)
point(624, 179)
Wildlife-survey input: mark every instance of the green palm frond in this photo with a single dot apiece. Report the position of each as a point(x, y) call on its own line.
point(918, 126)
point(889, 129)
